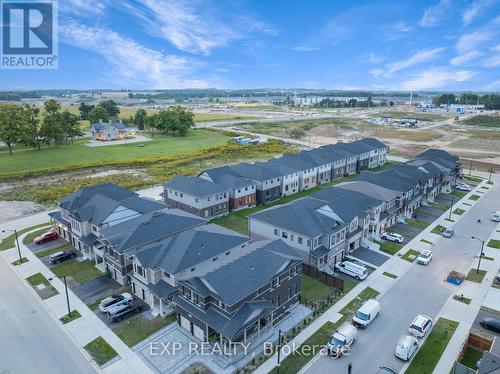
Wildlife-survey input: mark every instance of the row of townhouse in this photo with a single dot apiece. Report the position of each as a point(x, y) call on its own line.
point(331, 223)
point(177, 263)
point(217, 191)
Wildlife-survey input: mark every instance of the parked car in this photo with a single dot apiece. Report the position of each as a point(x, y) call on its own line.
point(495, 216)
point(393, 237)
point(463, 187)
point(492, 324)
point(407, 346)
point(366, 314)
point(61, 256)
point(341, 340)
point(448, 233)
point(420, 326)
point(46, 237)
point(424, 257)
point(114, 300)
point(387, 370)
point(119, 312)
point(359, 272)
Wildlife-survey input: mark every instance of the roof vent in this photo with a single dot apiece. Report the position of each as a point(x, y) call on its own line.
point(251, 267)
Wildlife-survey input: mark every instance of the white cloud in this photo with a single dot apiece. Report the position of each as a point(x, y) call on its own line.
point(436, 78)
point(415, 59)
point(465, 58)
point(496, 48)
point(89, 8)
point(433, 15)
point(401, 27)
point(303, 48)
point(132, 64)
point(475, 9)
point(492, 62)
point(472, 40)
point(493, 85)
point(373, 58)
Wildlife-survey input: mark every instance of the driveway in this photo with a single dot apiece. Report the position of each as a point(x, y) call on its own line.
point(135, 139)
point(35, 248)
point(96, 289)
point(428, 214)
point(369, 256)
point(409, 232)
point(444, 199)
point(485, 313)
point(420, 290)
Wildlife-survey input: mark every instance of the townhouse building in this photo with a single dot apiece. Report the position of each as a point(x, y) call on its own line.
point(83, 214)
point(238, 301)
point(437, 177)
point(289, 175)
point(378, 151)
point(449, 164)
point(306, 170)
point(267, 180)
point(116, 245)
point(343, 162)
point(242, 191)
point(323, 162)
point(360, 150)
point(197, 196)
point(308, 225)
point(158, 267)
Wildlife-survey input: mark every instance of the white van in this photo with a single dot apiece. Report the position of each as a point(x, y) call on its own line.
point(366, 314)
point(495, 216)
point(406, 347)
point(354, 270)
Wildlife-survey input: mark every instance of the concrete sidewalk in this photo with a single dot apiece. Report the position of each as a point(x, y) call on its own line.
point(376, 280)
point(82, 330)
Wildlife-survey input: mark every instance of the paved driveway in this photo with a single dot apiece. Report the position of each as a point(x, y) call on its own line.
point(369, 256)
point(96, 289)
point(484, 313)
point(409, 232)
point(420, 290)
point(35, 248)
point(428, 214)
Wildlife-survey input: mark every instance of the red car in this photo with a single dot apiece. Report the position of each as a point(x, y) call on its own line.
point(46, 237)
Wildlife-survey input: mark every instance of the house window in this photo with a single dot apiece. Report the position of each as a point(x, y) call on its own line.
point(167, 275)
point(140, 270)
point(228, 253)
point(193, 269)
point(181, 195)
point(284, 235)
point(296, 289)
point(276, 232)
point(278, 300)
point(299, 239)
point(276, 282)
point(289, 293)
point(215, 259)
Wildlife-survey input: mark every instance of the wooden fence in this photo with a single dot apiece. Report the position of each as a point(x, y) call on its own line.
point(323, 277)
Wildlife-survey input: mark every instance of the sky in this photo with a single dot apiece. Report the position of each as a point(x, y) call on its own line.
point(377, 45)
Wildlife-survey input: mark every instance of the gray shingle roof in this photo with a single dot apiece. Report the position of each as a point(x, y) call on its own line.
point(103, 126)
point(336, 192)
point(225, 177)
point(386, 178)
point(337, 152)
point(78, 198)
point(194, 186)
point(300, 216)
point(149, 228)
point(256, 171)
point(371, 189)
point(162, 289)
point(373, 143)
point(184, 250)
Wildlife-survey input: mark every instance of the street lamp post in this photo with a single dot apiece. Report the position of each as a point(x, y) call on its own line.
point(480, 254)
point(451, 207)
point(17, 244)
point(279, 350)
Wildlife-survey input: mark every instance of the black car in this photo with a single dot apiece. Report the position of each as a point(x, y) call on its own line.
point(58, 257)
point(121, 311)
point(492, 324)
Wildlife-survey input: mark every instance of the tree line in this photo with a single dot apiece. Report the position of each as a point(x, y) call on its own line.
point(490, 101)
point(23, 125)
point(104, 111)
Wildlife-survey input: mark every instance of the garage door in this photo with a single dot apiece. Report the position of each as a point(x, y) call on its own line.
point(185, 323)
point(199, 333)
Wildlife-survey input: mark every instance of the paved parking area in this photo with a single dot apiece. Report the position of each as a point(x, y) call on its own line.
point(96, 289)
point(35, 248)
point(444, 199)
point(428, 214)
point(409, 232)
point(369, 256)
point(485, 313)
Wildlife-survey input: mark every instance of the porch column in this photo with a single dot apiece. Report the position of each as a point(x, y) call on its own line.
point(258, 328)
point(272, 319)
point(161, 307)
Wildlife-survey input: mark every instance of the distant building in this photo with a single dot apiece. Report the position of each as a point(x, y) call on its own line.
point(108, 130)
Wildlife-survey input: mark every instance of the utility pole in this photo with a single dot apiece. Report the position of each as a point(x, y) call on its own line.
point(279, 350)
point(67, 296)
point(480, 254)
point(451, 207)
point(470, 169)
point(17, 244)
point(489, 179)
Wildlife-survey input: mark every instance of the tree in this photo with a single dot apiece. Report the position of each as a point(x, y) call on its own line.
point(85, 110)
point(13, 127)
point(111, 107)
point(52, 106)
point(31, 114)
point(185, 120)
point(140, 118)
point(444, 99)
point(98, 113)
point(52, 130)
point(296, 133)
point(70, 126)
point(175, 121)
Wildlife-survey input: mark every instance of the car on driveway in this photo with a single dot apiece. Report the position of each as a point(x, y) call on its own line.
point(393, 237)
point(341, 340)
point(121, 311)
point(463, 187)
point(114, 300)
point(407, 346)
point(359, 272)
point(61, 256)
point(424, 257)
point(46, 237)
point(420, 326)
point(491, 323)
point(448, 233)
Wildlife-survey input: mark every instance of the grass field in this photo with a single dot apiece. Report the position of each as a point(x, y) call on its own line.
point(75, 314)
point(100, 351)
point(421, 116)
point(471, 357)
point(458, 211)
point(429, 354)
point(10, 241)
point(389, 247)
point(482, 121)
point(410, 255)
point(73, 155)
point(81, 272)
point(475, 276)
point(136, 329)
point(493, 243)
point(38, 279)
point(313, 290)
point(390, 275)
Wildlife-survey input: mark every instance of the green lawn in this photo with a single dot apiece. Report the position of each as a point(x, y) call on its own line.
point(78, 155)
point(48, 252)
point(474, 197)
point(464, 300)
point(28, 239)
point(390, 275)
point(417, 224)
point(458, 194)
point(314, 290)
point(442, 207)
point(75, 314)
point(389, 247)
point(426, 241)
point(136, 329)
point(23, 260)
point(10, 241)
point(458, 211)
point(351, 308)
point(81, 272)
point(408, 255)
point(430, 352)
point(493, 243)
point(37, 279)
point(475, 276)
point(100, 351)
point(438, 229)
point(471, 357)
point(473, 178)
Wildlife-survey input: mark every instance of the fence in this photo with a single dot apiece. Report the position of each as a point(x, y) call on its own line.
point(479, 342)
point(459, 368)
point(323, 277)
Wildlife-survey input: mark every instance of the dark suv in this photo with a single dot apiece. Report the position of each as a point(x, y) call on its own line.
point(58, 257)
point(121, 311)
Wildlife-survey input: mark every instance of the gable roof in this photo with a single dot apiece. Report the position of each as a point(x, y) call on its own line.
point(388, 179)
point(337, 192)
point(148, 228)
point(373, 142)
point(184, 250)
point(225, 177)
point(104, 126)
point(80, 197)
point(194, 186)
point(371, 189)
point(258, 171)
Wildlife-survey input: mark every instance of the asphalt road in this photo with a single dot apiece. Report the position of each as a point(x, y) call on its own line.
point(421, 290)
point(30, 340)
